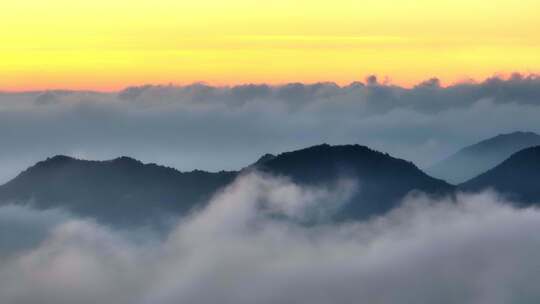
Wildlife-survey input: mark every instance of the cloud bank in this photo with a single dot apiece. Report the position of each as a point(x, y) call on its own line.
point(214, 128)
point(243, 248)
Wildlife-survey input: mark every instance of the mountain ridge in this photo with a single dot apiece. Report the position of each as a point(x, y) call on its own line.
point(477, 158)
point(132, 193)
point(517, 178)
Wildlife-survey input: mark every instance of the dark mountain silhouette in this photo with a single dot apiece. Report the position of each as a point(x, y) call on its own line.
point(480, 157)
point(518, 177)
point(125, 191)
point(383, 180)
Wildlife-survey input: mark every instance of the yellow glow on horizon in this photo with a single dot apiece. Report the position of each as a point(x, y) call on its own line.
point(107, 45)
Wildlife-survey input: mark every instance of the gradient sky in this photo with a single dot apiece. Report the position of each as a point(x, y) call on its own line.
point(107, 45)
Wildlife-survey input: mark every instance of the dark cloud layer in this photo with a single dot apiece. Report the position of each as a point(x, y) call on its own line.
point(475, 250)
point(200, 126)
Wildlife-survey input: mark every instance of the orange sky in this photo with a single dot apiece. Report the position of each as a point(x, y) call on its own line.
point(107, 45)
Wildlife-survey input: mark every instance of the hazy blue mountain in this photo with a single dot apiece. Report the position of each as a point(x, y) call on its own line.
point(518, 177)
point(125, 191)
point(480, 157)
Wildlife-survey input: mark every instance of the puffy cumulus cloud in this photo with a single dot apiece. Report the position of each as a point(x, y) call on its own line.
point(476, 249)
point(214, 128)
point(277, 197)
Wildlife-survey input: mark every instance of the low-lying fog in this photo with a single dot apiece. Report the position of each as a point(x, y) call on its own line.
point(249, 246)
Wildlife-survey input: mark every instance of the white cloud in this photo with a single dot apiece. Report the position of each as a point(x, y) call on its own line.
point(475, 250)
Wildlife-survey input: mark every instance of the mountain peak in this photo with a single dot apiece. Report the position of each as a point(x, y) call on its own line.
point(329, 155)
point(263, 159)
point(62, 159)
point(126, 160)
point(120, 191)
point(519, 133)
point(382, 179)
point(482, 156)
point(516, 177)
point(59, 158)
point(512, 136)
point(54, 161)
point(352, 148)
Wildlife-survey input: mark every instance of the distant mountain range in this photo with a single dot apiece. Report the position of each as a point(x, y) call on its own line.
point(518, 178)
point(480, 157)
point(125, 191)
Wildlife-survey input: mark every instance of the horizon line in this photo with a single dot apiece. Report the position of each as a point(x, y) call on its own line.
point(367, 81)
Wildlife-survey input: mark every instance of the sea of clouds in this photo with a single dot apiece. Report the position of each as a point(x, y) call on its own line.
point(205, 127)
point(249, 245)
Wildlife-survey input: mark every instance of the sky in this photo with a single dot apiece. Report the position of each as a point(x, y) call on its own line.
point(108, 45)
